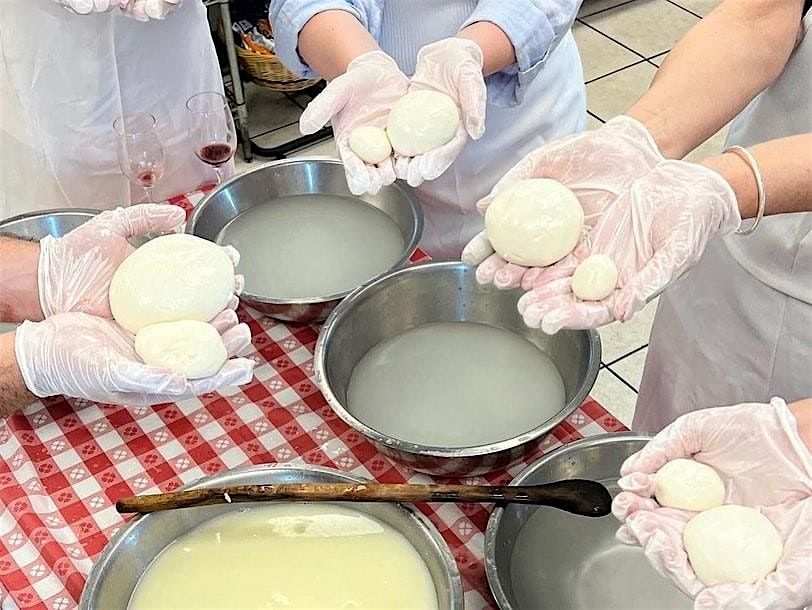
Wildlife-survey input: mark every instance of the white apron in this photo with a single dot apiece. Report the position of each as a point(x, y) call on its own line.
point(738, 327)
point(65, 78)
point(554, 105)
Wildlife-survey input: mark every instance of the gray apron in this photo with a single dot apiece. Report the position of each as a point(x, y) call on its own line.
point(738, 327)
point(554, 105)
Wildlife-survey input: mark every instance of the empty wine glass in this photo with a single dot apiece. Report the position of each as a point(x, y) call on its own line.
point(211, 129)
point(140, 152)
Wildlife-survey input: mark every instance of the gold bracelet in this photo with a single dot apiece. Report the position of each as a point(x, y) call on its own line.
point(745, 156)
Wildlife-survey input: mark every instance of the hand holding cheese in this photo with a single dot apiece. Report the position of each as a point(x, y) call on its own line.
point(597, 166)
point(448, 84)
point(755, 550)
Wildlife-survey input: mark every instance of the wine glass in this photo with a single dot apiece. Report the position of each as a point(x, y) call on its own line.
point(140, 152)
point(211, 128)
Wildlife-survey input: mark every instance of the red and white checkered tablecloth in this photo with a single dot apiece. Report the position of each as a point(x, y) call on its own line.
point(65, 462)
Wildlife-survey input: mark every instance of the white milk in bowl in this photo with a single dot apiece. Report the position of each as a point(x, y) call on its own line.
point(455, 384)
point(307, 246)
point(289, 556)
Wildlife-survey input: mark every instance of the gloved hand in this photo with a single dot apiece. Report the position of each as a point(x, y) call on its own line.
point(83, 356)
point(363, 95)
point(757, 450)
point(452, 66)
point(654, 231)
point(74, 271)
point(144, 10)
point(597, 165)
point(85, 7)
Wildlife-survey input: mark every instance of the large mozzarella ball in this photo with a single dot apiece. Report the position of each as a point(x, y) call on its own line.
point(534, 222)
point(173, 277)
point(188, 347)
point(595, 278)
point(689, 485)
point(421, 121)
point(732, 543)
point(370, 143)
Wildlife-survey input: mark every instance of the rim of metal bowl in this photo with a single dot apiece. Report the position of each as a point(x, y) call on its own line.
point(319, 367)
point(417, 231)
point(439, 545)
point(51, 212)
point(491, 570)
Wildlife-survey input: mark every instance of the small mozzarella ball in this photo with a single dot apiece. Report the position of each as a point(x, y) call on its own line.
point(190, 348)
point(534, 222)
point(732, 543)
point(688, 485)
point(370, 143)
point(422, 121)
point(595, 278)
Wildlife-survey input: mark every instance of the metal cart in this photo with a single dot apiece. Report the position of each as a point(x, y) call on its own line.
point(235, 92)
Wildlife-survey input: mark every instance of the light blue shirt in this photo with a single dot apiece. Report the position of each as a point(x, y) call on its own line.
point(534, 27)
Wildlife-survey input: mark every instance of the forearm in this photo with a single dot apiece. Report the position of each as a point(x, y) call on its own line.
point(497, 49)
point(786, 167)
point(802, 410)
point(331, 40)
point(13, 393)
point(716, 69)
point(19, 298)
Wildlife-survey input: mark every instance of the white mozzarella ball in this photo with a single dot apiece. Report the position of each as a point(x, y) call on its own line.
point(595, 278)
point(172, 277)
point(421, 121)
point(534, 222)
point(370, 143)
point(188, 347)
point(732, 543)
point(689, 485)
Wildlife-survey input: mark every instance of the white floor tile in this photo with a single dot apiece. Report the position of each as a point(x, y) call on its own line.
point(322, 149)
point(612, 95)
point(631, 368)
point(700, 7)
point(590, 7)
point(648, 27)
point(592, 122)
point(711, 146)
point(268, 109)
point(619, 339)
point(599, 54)
point(615, 397)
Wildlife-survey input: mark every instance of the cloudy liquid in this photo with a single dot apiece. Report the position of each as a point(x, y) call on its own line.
point(291, 556)
point(306, 246)
point(455, 384)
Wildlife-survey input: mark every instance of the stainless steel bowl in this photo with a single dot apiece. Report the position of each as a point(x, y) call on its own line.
point(540, 558)
point(121, 564)
point(56, 223)
point(300, 176)
point(443, 292)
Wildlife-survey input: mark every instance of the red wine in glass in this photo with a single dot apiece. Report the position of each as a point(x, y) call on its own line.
point(146, 178)
point(215, 154)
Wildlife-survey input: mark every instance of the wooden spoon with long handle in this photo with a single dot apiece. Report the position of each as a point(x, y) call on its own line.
point(577, 496)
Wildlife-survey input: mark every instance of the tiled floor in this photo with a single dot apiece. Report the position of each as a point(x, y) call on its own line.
point(622, 43)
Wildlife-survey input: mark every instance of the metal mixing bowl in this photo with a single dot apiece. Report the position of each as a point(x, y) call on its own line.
point(568, 562)
point(121, 564)
point(443, 292)
point(300, 176)
point(36, 225)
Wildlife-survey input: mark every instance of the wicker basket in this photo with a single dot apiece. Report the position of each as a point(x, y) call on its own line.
point(269, 72)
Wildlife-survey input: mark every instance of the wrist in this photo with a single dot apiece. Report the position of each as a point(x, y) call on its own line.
point(738, 174)
point(13, 392)
point(802, 410)
point(660, 129)
point(19, 278)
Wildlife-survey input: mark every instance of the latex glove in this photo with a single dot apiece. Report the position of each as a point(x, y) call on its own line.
point(363, 95)
point(145, 10)
point(85, 7)
point(757, 450)
point(452, 66)
point(83, 356)
point(74, 271)
point(654, 232)
point(597, 165)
